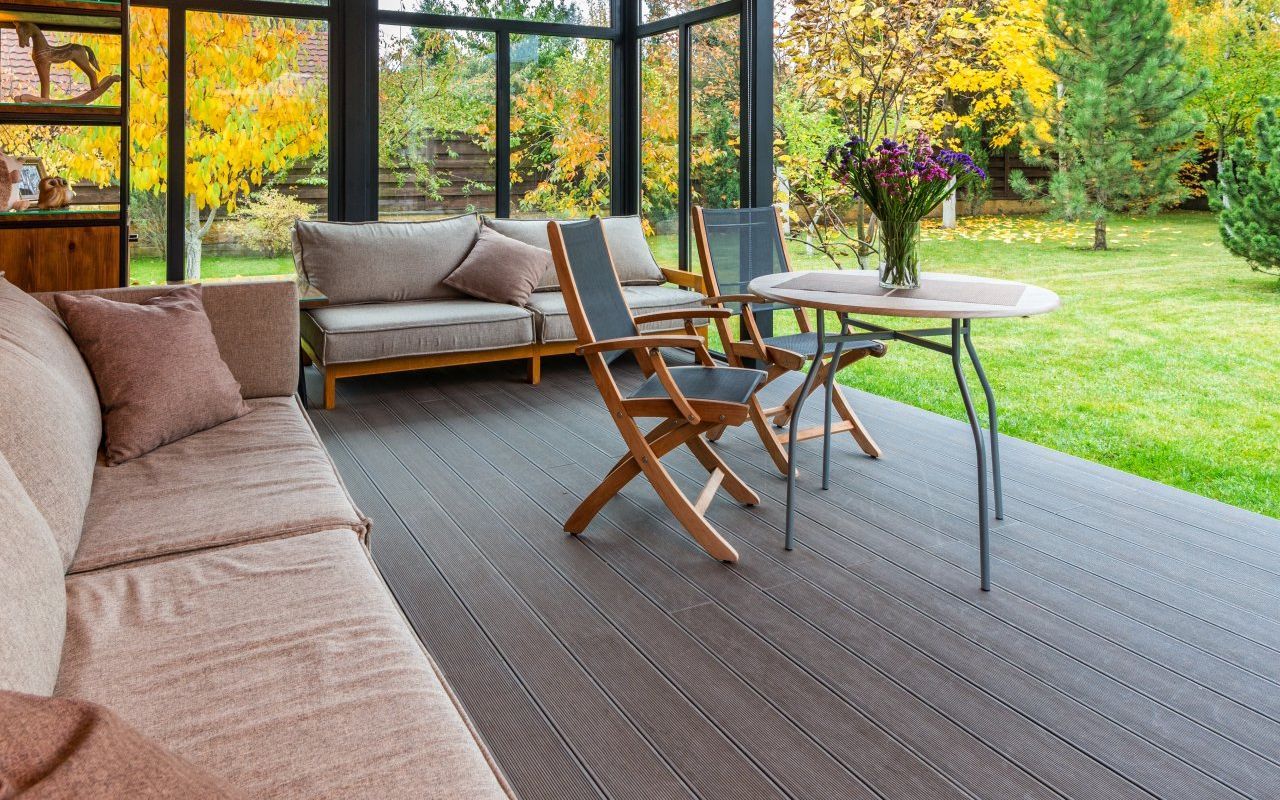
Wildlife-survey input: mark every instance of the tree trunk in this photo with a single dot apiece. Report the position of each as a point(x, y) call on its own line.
point(1100, 233)
point(191, 264)
point(949, 207)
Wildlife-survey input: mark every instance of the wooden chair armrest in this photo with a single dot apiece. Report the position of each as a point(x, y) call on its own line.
point(686, 313)
point(745, 299)
point(641, 342)
point(680, 277)
point(673, 390)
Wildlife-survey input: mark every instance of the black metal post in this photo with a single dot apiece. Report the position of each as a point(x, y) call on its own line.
point(502, 154)
point(684, 204)
point(176, 179)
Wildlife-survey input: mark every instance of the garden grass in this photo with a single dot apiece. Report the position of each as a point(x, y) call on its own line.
point(1163, 360)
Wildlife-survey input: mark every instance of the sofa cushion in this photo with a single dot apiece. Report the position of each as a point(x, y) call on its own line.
point(345, 334)
point(554, 324)
point(370, 262)
point(263, 475)
point(500, 269)
point(282, 666)
point(33, 600)
point(54, 747)
point(156, 366)
point(631, 255)
point(50, 423)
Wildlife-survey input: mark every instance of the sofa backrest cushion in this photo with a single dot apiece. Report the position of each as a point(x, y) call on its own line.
point(33, 595)
point(372, 262)
point(50, 421)
point(632, 257)
point(254, 321)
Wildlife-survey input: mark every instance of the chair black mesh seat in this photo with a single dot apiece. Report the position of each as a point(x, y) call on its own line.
point(806, 344)
point(720, 384)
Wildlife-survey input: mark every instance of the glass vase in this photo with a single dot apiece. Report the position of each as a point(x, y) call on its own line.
point(899, 255)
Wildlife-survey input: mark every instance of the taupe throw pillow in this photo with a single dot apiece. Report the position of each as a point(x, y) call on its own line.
point(57, 748)
point(157, 367)
point(500, 269)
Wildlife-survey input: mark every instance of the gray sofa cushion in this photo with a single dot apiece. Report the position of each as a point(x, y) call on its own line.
point(554, 324)
point(370, 262)
point(345, 334)
point(631, 255)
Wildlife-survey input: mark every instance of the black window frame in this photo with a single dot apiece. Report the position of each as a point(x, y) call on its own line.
point(353, 26)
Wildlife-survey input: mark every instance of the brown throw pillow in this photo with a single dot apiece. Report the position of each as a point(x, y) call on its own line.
point(59, 748)
point(500, 269)
point(157, 367)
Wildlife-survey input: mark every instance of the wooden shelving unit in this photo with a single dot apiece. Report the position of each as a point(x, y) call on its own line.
point(81, 247)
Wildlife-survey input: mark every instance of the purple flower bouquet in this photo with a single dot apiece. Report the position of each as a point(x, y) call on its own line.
point(901, 183)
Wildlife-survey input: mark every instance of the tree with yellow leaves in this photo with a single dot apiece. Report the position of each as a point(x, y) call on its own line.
point(251, 114)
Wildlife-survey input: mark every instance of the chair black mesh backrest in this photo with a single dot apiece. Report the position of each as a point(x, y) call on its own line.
point(598, 288)
point(742, 244)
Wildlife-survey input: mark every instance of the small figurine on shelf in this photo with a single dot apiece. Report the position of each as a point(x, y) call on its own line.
point(55, 193)
point(45, 55)
point(10, 180)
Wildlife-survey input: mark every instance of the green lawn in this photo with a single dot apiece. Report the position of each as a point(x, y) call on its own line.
point(1163, 360)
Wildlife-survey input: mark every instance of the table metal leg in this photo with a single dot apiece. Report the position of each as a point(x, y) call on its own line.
point(826, 416)
point(959, 336)
point(993, 424)
point(795, 427)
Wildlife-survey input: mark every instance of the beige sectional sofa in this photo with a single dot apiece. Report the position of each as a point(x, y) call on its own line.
point(388, 309)
point(216, 593)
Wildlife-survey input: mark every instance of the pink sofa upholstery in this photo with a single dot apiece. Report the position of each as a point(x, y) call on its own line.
point(216, 593)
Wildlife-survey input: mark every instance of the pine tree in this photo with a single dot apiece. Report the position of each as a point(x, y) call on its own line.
point(1120, 131)
point(1249, 187)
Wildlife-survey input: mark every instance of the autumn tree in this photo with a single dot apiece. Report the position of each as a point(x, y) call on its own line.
point(1120, 132)
point(1236, 44)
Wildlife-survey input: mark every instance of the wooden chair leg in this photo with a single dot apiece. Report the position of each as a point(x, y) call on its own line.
point(858, 431)
point(686, 513)
point(732, 484)
point(768, 439)
point(715, 433)
point(535, 370)
point(664, 438)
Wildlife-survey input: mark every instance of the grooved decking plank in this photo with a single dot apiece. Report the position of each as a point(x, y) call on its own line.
point(1126, 651)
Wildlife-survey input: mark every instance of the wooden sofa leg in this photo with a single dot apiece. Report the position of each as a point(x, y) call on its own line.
point(535, 369)
point(330, 391)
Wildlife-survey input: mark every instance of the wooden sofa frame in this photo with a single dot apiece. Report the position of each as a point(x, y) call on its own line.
point(533, 352)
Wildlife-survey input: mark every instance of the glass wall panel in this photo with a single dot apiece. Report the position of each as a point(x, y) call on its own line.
point(715, 131)
point(571, 12)
point(654, 10)
point(437, 119)
point(257, 140)
point(560, 131)
point(660, 144)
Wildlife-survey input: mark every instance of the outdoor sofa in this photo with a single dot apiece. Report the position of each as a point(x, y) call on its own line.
point(388, 308)
point(215, 593)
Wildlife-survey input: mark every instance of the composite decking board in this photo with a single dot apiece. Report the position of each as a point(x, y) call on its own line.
point(620, 761)
point(827, 657)
point(824, 621)
point(1191, 745)
point(799, 698)
point(636, 685)
point(1251, 726)
point(533, 754)
point(698, 672)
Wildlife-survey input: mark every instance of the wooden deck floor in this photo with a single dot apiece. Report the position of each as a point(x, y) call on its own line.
point(1131, 647)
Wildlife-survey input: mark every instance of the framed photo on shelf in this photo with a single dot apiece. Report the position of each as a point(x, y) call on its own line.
point(32, 171)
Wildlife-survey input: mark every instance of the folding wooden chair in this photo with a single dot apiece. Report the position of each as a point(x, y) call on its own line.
point(689, 400)
point(736, 245)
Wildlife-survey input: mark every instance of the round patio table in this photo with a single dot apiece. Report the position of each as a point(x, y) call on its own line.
point(957, 298)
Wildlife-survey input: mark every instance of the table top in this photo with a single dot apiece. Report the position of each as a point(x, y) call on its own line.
point(1033, 299)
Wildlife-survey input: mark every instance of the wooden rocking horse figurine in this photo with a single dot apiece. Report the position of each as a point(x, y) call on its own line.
point(46, 55)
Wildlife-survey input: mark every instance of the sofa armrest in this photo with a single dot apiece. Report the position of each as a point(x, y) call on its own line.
point(684, 278)
point(254, 322)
